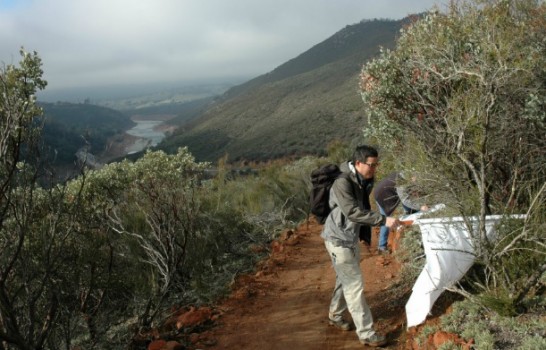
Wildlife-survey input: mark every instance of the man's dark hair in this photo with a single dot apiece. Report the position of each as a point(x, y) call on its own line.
point(362, 153)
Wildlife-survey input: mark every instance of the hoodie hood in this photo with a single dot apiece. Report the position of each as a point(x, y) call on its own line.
point(348, 167)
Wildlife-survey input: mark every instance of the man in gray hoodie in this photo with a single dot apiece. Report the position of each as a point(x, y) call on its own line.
point(349, 200)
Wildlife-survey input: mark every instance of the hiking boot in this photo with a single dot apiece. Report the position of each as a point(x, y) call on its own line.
point(342, 324)
point(383, 251)
point(374, 340)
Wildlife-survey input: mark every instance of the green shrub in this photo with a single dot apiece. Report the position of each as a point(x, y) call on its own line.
point(461, 100)
point(491, 330)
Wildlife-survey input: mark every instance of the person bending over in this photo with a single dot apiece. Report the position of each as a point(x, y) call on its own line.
point(388, 194)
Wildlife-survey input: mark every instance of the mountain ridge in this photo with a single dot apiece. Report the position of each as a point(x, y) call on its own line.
point(297, 108)
point(338, 46)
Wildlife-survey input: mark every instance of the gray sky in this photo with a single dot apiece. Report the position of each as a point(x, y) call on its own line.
point(101, 42)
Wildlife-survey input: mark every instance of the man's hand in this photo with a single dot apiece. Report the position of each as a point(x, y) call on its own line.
point(392, 223)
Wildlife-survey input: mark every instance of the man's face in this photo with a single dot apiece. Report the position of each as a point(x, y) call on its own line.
point(367, 169)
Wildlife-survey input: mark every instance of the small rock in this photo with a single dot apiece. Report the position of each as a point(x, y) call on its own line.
point(276, 247)
point(173, 345)
point(193, 317)
point(157, 345)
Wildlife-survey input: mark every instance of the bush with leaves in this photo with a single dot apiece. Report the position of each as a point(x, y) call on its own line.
point(28, 301)
point(273, 198)
point(93, 262)
point(176, 237)
point(53, 273)
point(464, 91)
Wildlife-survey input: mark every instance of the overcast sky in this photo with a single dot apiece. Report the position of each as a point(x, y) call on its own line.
point(103, 42)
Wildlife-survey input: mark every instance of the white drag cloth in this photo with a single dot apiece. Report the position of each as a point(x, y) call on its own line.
point(449, 255)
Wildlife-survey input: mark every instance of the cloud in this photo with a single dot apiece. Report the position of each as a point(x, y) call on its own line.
point(102, 42)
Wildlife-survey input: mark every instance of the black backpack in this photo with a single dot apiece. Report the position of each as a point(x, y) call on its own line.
point(322, 179)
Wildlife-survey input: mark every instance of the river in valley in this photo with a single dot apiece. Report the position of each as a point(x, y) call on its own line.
point(147, 133)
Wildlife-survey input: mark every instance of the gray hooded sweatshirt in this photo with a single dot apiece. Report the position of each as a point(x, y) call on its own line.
point(349, 200)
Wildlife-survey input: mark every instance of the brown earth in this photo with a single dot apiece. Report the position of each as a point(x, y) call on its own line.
point(289, 298)
point(284, 305)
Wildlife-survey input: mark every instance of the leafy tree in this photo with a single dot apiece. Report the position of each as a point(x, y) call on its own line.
point(18, 135)
point(55, 267)
point(18, 111)
point(464, 92)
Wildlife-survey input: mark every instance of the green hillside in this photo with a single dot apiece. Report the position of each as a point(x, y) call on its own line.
point(69, 126)
point(296, 109)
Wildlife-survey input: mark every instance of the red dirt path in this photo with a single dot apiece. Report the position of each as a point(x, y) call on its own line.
point(285, 304)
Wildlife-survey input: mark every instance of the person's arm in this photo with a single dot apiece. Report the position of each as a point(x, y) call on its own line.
point(348, 204)
point(408, 200)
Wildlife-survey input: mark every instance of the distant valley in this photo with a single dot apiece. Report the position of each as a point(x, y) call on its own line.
point(297, 109)
point(114, 128)
point(168, 99)
point(102, 133)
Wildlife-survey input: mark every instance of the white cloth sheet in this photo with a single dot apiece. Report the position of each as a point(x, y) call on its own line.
point(449, 255)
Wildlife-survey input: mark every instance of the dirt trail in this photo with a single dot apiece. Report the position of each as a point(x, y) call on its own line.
point(285, 304)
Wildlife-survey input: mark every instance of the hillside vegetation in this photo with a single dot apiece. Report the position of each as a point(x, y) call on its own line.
point(298, 108)
point(69, 127)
